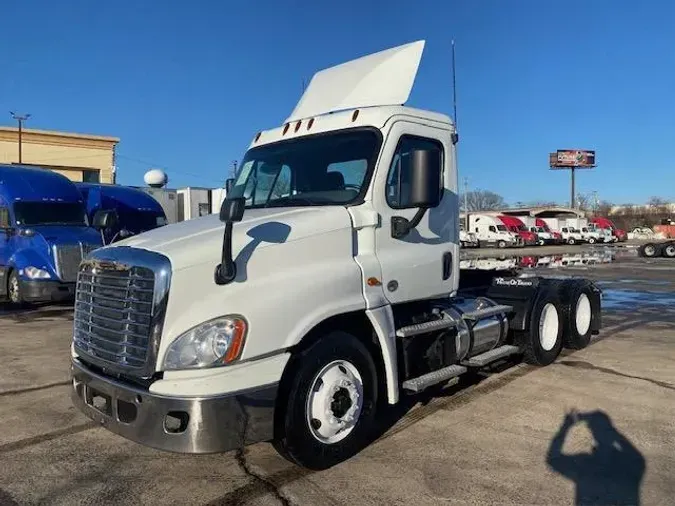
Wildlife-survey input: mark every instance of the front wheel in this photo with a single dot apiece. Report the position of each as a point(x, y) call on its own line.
point(501, 244)
point(591, 240)
point(571, 241)
point(327, 407)
point(14, 288)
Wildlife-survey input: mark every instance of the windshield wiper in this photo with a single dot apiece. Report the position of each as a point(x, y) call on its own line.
point(289, 200)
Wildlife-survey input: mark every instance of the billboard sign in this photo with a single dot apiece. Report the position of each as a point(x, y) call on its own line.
point(572, 158)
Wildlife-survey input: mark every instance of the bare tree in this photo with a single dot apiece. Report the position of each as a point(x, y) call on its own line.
point(542, 203)
point(583, 202)
point(658, 205)
point(483, 200)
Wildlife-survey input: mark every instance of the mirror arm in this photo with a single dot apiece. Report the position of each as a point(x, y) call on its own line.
point(227, 270)
point(400, 226)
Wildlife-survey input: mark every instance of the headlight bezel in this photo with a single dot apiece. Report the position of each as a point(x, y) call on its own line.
point(174, 359)
point(34, 273)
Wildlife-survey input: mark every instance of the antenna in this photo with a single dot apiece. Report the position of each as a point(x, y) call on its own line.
point(455, 136)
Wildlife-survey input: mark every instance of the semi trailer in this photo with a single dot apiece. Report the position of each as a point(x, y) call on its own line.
point(327, 288)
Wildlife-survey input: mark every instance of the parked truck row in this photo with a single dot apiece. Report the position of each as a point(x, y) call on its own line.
point(327, 288)
point(504, 231)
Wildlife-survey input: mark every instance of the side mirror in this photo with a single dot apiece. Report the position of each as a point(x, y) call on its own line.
point(425, 189)
point(425, 184)
point(232, 210)
point(229, 183)
point(104, 218)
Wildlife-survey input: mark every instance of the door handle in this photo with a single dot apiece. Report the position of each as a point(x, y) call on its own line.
point(447, 265)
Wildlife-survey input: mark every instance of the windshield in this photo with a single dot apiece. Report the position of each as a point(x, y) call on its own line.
point(320, 170)
point(50, 213)
point(501, 228)
point(142, 220)
point(541, 229)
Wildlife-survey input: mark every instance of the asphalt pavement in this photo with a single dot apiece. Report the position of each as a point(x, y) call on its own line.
point(597, 426)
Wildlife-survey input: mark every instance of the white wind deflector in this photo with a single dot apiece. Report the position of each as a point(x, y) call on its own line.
point(383, 78)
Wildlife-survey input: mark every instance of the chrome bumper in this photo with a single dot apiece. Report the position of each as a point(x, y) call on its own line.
point(175, 424)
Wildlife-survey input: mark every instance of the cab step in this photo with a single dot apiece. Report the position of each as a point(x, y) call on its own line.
point(418, 384)
point(492, 355)
point(487, 312)
point(426, 327)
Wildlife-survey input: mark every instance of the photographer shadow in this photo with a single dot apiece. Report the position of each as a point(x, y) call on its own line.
point(610, 474)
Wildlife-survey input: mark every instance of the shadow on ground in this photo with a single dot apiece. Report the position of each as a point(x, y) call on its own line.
point(611, 473)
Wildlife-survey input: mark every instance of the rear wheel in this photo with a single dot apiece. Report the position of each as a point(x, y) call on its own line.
point(14, 288)
point(650, 250)
point(571, 241)
point(543, 342)
point(501, 244)
point(591, 240)
point(669, 250)
point(580, 311)
point(327, 408)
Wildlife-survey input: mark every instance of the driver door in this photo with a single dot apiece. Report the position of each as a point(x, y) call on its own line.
point(424, 263)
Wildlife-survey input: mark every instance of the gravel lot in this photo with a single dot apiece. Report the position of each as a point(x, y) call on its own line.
point(496, 440)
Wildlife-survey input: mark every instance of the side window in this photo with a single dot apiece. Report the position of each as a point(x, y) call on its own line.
point(399, 177)
point(492, 228)
point(4, 217)
point(564, 229)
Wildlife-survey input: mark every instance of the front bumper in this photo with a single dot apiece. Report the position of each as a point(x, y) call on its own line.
point(46, 291)
point(175, 424)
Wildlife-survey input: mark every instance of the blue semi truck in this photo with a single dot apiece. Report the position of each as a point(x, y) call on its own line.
point(44, 234)
point(48, 224)
point(135, 211)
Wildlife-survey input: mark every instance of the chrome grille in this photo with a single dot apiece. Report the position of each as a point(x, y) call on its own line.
point(119, 309)
point(67, 258)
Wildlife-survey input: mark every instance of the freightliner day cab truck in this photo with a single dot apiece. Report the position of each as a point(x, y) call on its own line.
point(331, 290)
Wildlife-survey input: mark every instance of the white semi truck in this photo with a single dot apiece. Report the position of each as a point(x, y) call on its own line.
point(328, 287)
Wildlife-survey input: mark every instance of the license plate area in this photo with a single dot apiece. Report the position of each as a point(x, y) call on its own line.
point(100, 401)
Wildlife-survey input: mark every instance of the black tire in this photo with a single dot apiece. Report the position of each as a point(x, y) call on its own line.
point(650, 250)
point(578, 299)
point(501, 244)
point(294, 438)
point(534, 352)
point(14, 294)
point(571, 241)
point(591, 240)
point(668, 250)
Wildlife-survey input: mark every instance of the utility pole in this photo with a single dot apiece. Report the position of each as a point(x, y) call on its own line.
point(20, 119)
point(573, 200)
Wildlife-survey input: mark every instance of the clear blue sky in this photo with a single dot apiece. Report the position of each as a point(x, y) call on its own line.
point(186, 85)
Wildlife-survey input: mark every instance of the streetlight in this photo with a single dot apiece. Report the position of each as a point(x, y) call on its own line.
point(20, 119)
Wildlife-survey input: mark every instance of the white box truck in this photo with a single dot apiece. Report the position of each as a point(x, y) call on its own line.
point(296, 317)
point(193, 202)
point(491, 231)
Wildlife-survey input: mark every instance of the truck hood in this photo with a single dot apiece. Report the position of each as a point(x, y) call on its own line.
point(53, 234)
point(200, 240)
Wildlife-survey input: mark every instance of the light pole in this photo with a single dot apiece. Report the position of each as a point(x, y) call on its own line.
point(20, 119)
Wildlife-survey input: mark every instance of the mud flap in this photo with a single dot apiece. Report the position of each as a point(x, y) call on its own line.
point(518, 292)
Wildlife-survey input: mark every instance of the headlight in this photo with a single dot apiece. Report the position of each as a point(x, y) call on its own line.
point(36, 273)
point(213, 343)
